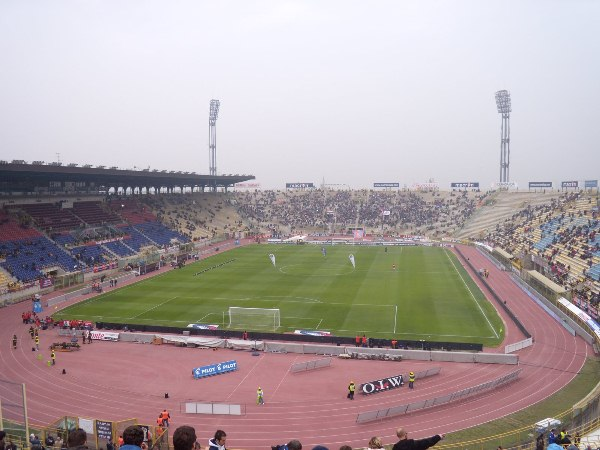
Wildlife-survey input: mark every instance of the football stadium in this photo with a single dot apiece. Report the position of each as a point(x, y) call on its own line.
point(477, 293)
point(374, 277)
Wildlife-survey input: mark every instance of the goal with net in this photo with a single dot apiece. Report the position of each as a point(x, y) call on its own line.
point(254, 318)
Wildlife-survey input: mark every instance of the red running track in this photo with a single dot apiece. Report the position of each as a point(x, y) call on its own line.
point(116, 381)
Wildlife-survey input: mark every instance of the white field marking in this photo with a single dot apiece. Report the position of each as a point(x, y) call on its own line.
point(472, 296)
point(319, 324)
point(154, 307)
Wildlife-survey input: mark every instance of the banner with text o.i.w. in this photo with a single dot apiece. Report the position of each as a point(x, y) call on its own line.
point(384, 384)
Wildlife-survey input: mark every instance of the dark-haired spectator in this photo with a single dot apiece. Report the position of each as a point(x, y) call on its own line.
point(218, 442)
point(184, 438)
point(294, 444)
point(133, 438)
point(77, 439)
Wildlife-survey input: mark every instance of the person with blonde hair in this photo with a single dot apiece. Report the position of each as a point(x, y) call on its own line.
point(375, 443)
point(415, 444)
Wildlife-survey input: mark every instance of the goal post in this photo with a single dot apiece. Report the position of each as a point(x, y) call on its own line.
point(254, 318)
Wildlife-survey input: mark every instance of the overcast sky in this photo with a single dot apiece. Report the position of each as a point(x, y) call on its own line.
point(352, 92)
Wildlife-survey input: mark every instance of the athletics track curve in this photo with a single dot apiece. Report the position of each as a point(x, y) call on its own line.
point(116, 381)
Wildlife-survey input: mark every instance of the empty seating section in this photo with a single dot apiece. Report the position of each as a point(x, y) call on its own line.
point(27, 257)
point(10, 230)
point(64, 239)
point(548, 236)
point(92, 213)
point(160, 234)
point(51, 217)
point(136, 240)
point(119, 248)
point(594, 272)
point(132, 211)
point(91, 254)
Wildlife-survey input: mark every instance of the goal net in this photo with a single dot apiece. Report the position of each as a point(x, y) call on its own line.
point(254, 318)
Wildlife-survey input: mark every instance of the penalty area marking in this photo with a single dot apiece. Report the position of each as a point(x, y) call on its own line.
point(472, 296)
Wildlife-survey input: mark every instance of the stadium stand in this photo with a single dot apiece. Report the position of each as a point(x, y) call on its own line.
point(91, 254)
point(93, 213)
point(11, 230)
point(434, 213)
point(26, 258)
point(50, 217)
point(563, 235)
point(198, 216)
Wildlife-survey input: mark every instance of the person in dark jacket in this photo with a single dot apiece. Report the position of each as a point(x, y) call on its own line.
point(411, 444)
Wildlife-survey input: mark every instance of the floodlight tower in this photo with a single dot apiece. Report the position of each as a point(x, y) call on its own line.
point(504, 108)
point(212, 137)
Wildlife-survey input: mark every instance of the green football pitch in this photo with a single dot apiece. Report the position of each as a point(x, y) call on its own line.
point(405, 292)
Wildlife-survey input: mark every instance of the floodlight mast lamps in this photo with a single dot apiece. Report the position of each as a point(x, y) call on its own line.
point(212, 138)
point(504, 108)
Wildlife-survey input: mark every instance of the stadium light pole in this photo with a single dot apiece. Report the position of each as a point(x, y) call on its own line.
point(212, 139)
point(504, 107)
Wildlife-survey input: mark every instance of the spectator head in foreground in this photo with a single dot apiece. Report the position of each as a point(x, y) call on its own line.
point(77, 438)
point(294, 444)
point(134, 436)
point(375, 443)
point(404, 443)
point(184, 438)
point(218, 442)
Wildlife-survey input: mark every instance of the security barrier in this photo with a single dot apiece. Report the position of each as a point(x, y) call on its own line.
point(370, 416)
point(310, 365)
point(518, 345)
point(213, 408)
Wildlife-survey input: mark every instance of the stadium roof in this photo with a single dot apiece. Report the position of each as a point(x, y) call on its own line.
point(20, 176)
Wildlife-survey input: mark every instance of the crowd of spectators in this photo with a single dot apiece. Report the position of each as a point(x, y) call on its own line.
point(196, 216)
point(432, 213)
point(563, 237)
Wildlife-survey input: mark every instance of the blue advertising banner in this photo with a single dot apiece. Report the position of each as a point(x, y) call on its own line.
point(540, 184)
point(384, 185)
point(591, 183)
point(214, 369)
point(568, 184)
point(465, 185)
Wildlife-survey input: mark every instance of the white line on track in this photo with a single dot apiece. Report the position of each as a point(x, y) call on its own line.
point(472, 296)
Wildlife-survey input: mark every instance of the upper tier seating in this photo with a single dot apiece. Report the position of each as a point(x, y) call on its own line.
point(50, 217)
point(92, 213)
